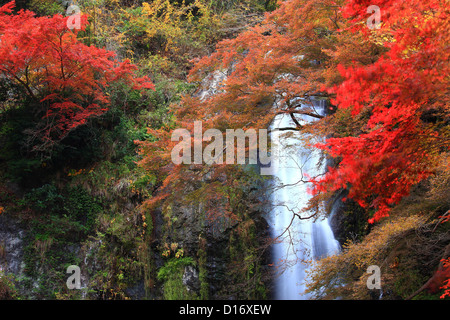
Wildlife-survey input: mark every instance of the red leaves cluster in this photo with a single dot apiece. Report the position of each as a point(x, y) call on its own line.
point(445, 278)
point(396, 148)
point(64, 77)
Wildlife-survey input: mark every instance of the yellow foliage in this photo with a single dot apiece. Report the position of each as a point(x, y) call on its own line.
point(335, 276)
point(176, 22)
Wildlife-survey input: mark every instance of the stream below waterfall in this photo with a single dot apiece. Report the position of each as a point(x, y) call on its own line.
point(300, 240)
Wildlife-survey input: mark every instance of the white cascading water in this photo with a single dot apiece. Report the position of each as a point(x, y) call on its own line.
point(301, 240)
point(304, 239)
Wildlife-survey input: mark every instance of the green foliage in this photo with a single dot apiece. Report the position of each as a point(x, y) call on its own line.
point(174, 265)
point(72, 220)
point(45, 199)
point(117, 266)
point(73, 203)
point(61, 220)
point(51, 242)
point(80, 206)
point(172, 273)
point(46, 7)
point(407, 276)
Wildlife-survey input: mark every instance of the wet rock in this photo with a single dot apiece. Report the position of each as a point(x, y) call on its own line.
point(11, 245)
point(191, 279)
point(136, 292)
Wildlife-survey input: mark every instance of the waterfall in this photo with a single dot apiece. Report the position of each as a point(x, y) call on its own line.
point(301, 240)
point(304, 239)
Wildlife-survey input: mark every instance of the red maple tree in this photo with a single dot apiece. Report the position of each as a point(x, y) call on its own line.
point(409, 84)
point(64, 78)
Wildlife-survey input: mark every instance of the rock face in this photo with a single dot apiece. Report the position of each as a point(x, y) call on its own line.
point(347, 219)
point(188, 227)
point(185, 227)
point(208, 242)
point(191, 279)
point(11, 246)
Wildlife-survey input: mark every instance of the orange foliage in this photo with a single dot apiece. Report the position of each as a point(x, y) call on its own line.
point(394, 80)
